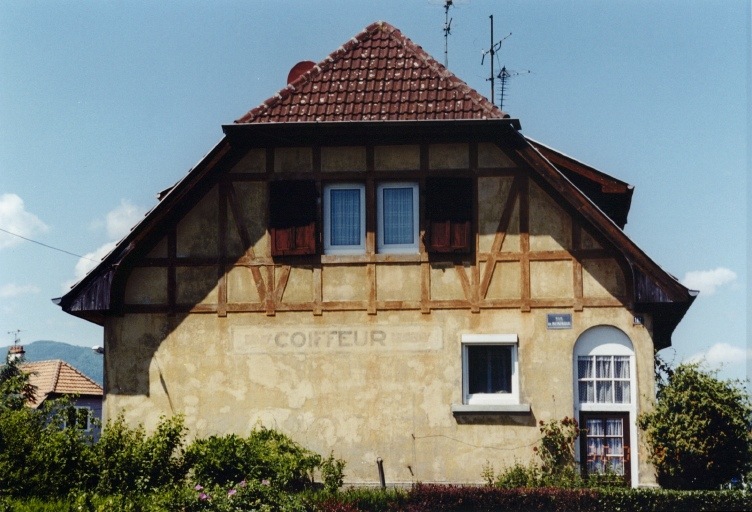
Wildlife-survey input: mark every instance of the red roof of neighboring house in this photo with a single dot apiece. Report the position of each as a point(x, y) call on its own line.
point(58, 378)
point(378, 75)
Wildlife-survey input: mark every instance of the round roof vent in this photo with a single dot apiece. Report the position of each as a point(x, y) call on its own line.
point(299, 69)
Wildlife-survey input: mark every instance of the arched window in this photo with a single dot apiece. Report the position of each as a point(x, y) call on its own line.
point(605, 398)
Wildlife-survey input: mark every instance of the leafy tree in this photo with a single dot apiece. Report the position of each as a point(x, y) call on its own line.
point(15, 389)
point(699, 430)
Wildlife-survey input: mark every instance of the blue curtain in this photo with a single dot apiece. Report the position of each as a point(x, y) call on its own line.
point(345, 216)
point(398, 215)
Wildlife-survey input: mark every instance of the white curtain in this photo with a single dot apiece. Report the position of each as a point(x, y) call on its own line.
point(345, 216)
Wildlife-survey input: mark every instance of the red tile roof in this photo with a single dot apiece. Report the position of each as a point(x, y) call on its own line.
point(379, 75)
point(59, 378)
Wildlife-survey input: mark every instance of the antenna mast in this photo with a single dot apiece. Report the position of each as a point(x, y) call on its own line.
point(495, 46)
point(16, 337)
point(447, 31)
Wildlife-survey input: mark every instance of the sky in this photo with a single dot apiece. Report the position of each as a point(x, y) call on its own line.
point(105, 103)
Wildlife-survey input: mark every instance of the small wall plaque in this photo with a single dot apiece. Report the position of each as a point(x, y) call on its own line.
point(559, 320)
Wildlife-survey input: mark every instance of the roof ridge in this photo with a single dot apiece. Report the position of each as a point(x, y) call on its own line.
point(56, 375)
point(81, 374)
point(367, 33)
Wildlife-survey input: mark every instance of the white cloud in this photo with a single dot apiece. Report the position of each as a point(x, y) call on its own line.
point(14, 290)
point(15, 218)
point(88, 262)
point(120, 220)
point(117, 223)
point(708, 281)
point(722, 354)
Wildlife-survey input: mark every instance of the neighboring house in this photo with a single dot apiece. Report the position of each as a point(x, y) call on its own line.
point(56, 379)
point(377, 262)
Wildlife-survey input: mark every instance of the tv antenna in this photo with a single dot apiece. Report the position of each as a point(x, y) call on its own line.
point(447, 31)
point(504, 75)
point(495, 47)
point(16, 337)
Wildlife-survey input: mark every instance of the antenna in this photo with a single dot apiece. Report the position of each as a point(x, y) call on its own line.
point(495, 46)
point(447, 31)
point(504, 75)
point(16, 337)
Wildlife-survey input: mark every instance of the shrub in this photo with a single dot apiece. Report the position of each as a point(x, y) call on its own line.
point(556, 452)
point(519, 475)
point(264, 455)
point(698, 433)
point(37, 458)
point(332, 473)
point(127, 460)
point(556, 447)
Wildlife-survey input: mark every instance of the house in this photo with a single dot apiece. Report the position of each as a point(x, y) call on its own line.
point(56, 379)
point(379, 263)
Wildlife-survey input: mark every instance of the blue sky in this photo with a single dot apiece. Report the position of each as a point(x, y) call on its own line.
point(105, 103)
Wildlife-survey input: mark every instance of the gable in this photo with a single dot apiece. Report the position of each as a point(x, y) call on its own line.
point(209, 246)
point(531, 248)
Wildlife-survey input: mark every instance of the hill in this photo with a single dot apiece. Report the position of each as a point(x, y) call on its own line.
point(84, 359)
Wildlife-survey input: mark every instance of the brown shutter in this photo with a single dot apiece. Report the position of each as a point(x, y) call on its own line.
point(461, 236)
point(449, 211)
point(440, 236)
point(281, 240)
point(292, 217)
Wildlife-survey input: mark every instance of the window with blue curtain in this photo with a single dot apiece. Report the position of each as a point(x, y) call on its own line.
point(397, 217)
point(345, 217)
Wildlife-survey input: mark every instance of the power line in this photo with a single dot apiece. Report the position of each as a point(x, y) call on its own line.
point(48, 246)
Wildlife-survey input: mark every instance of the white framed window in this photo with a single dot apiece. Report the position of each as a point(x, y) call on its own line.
point(604, 379)
point(344, 218)
point(397, 217)
point(490, 374)
point(78, 417)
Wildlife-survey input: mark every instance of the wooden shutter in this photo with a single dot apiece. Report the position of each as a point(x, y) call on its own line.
point(449, 210)
point(292, 217)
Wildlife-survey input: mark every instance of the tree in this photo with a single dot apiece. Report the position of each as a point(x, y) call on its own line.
point(699, 431)
point(15, 389)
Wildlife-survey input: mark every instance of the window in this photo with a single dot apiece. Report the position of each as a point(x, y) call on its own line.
point(449, 210)
point(398, 213)
point(603, 379)
point(77, 417)
point(292, 217)
point(604, 389)
point(605, 444)
point(489, 369)
point(344, 218)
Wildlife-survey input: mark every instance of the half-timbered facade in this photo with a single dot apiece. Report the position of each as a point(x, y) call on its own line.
point(377, 262)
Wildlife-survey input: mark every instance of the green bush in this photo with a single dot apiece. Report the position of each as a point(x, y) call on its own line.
point(127, 460)
point(698, 433)
point(265, 455)
point(557, 465)
point(37, 458)
point(332, 473)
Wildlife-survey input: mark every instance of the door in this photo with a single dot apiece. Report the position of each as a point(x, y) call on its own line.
point(604, 445)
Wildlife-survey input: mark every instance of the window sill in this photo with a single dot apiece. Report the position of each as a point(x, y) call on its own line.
point(490, 409)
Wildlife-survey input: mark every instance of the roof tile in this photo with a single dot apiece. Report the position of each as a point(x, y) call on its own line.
point(400, 80)
point(59, 378)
